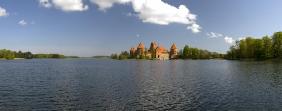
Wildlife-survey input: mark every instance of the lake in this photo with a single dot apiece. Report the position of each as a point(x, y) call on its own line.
point(91, 84)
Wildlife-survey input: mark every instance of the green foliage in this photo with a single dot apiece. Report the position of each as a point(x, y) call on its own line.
point(195, 53)
point(47, 56)
point(25, 55)
point(124, 55)
point(186, 52)
point(114, 56)
point(259, 49)
point(7, 54)
point(277, 45)
point(72, 57)
point(267, 47)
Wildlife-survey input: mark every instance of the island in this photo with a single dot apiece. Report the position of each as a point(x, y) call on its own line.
point(158, 52)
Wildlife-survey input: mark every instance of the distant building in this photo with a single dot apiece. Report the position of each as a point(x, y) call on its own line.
point(140, 52)
point(173, 54)
point(154, 52)
point(162, 53)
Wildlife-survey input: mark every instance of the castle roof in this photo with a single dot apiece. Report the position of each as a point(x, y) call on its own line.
point(173, 46)
point(161, 49)
point(154, 45)
point(141, 46)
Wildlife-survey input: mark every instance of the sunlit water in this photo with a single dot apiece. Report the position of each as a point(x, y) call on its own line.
point(89, 84)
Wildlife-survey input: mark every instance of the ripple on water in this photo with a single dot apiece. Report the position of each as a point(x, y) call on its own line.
point(89, 84)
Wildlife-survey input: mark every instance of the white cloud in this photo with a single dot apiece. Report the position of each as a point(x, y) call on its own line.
point(22, 23)
point(214, 35)
point(131, 14)
point(65, 5)
point(226, 38)
point(106, 4)
point(241, 38)
point(229, 40)
point(195, 28)
point(45, 3)
point(156, 12)
point(3, 12)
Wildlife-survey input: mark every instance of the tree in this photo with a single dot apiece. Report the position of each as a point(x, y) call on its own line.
point(186, 52)
point(264, 48)
point(7, 54)
point(267, 47)
point(243, 49)
point(28, 55)
point(195, 53)
point(258, 49)
point(124, 55)
point(277, 44)
point(114, 56)
point(250, 47)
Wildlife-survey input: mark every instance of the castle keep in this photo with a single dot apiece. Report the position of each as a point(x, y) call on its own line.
point(154, 52)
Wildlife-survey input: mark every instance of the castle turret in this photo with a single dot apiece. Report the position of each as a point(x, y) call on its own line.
point(140, 50)
point(173, 52)
point(152, 49)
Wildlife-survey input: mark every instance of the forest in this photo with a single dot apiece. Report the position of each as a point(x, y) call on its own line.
point(257, 48)
point(9, 55)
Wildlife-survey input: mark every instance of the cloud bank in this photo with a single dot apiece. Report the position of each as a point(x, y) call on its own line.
point(65, 5)
point(106, 4)
point(156, 12)
point(3, 12)
point(149, 11)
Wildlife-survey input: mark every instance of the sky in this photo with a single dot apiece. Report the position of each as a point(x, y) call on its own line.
point(101, 27)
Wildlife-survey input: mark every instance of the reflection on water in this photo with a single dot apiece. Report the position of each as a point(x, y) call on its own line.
point(140, 85)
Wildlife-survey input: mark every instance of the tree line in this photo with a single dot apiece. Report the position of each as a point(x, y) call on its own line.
point(196, 53)
point(257, 48)
point(9, 55)
point(123, 55)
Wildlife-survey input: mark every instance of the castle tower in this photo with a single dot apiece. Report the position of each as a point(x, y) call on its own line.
point(152, 49)
point(173, 52)
point(153, 46)
point(140, 50)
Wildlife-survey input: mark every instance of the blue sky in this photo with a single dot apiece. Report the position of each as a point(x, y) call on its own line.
point(102, 27)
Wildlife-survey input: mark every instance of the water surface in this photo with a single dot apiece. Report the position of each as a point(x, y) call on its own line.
point(89, 84)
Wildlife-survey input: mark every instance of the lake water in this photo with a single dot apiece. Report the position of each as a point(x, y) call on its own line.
point(89, 84)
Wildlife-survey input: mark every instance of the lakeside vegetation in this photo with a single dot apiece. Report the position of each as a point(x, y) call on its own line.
point(257, 48)
point(250, 48)
point(9, 55)
point(196, 53)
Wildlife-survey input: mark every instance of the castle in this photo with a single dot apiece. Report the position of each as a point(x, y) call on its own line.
point(154, 52)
